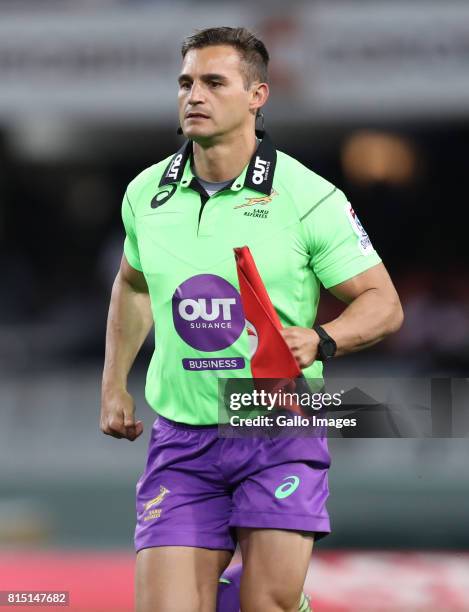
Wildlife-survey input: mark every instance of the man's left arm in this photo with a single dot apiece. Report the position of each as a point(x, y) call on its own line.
point(373, 312)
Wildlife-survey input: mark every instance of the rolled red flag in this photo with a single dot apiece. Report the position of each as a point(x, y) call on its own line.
point(272, 358)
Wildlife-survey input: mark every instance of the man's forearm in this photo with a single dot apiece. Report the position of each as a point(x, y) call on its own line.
point(129, 322)
point(365, 321)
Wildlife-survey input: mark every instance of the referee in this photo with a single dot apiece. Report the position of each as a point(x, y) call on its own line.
point(199, 494)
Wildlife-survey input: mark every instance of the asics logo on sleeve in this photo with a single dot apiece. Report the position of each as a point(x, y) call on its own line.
point(287, 488)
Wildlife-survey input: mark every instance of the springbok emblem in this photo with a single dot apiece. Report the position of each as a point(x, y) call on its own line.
point(158, 499)
point(264, 200)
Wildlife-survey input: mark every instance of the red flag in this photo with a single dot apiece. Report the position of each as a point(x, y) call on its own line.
point(272, 358)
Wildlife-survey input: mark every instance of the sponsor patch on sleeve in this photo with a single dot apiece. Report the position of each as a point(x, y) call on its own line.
point(364, 242)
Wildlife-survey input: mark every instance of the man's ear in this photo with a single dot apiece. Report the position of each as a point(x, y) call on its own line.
point(260, 95)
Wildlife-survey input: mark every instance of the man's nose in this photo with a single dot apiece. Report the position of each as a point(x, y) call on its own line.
point(196, 93)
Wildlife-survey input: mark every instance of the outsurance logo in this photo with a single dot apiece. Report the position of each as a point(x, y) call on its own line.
point(174, 167)
point(207, 312)
point(261, 171)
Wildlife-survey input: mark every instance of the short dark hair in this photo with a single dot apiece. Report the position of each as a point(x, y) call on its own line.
point(254, 55)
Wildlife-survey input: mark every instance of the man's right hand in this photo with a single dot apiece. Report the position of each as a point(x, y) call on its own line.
point(118, 415)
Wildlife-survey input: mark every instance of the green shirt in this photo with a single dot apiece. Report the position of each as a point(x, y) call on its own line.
point(301, 231)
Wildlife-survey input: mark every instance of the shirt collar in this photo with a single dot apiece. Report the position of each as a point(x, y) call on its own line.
point(257, 175)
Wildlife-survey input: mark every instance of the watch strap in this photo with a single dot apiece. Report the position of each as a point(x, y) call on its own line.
point(324, 339)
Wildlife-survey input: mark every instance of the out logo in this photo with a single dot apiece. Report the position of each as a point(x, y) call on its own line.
point(174, 167)
point(260, 171)
point(206, 309)
point(207, 312)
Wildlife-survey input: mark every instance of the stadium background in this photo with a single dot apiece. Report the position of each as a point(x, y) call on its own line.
point(374, 97)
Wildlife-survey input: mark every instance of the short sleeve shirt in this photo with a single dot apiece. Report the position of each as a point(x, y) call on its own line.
point(301, 230)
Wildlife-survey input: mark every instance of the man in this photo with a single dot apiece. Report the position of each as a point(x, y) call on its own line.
point(229, 590)
point(199, 493)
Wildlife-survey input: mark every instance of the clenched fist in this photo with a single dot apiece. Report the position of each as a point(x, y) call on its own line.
point(303, 343)
point(118, 415)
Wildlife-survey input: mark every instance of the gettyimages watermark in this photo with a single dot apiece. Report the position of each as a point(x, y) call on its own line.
point(344, 407)
point(272, 399)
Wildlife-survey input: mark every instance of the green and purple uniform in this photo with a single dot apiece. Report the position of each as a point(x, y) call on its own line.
point(302, 233)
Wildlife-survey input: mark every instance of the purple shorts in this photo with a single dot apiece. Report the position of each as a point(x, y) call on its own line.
point(198, 487)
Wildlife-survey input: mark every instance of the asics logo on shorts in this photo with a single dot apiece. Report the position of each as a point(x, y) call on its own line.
point(287, 488)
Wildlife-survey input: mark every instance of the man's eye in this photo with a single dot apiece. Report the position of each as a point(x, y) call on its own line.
point(215, 84)
point(184, 86)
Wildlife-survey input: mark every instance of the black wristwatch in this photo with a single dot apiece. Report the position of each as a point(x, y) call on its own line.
point(327, 347)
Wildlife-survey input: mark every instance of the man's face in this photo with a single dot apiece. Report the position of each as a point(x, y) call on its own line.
point(212, 97)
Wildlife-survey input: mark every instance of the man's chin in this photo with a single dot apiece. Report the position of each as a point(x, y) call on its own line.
point(199, 134)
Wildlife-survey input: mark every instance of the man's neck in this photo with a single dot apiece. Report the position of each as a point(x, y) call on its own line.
point(224, 160)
